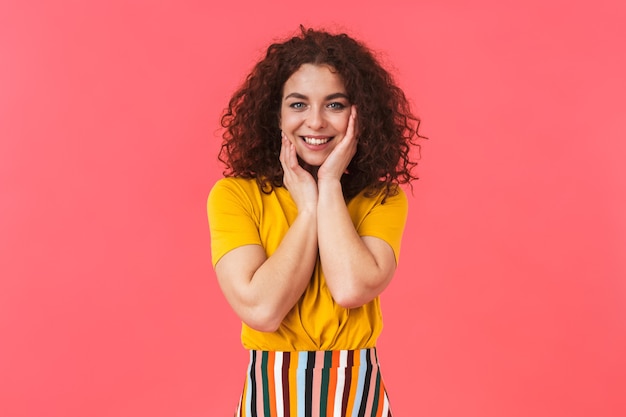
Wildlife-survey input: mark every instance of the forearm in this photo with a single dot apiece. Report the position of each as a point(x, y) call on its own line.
point(276, 286)
point(353, 274)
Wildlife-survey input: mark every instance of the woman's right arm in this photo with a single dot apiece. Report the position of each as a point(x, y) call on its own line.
point(263, 289)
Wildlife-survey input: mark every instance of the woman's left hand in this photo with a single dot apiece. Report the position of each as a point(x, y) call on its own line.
point(337, 162)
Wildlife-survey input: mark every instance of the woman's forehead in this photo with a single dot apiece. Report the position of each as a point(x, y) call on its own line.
point(313, 79)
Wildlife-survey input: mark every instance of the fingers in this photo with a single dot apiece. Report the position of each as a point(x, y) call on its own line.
point(339, 159)
point(292, 171)
point(299, 182)
point(285, 152)
point(352, 126)
point(348, 144)
point(283, 149)
point(288, 157)
point(349, 141)
point(352, 123)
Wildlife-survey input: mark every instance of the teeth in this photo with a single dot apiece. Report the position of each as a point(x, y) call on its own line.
point(314, 141)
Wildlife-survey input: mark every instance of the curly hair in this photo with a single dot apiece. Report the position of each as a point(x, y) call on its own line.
point(386, 126)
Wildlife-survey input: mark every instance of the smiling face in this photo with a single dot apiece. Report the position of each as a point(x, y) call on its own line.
point(314, 112)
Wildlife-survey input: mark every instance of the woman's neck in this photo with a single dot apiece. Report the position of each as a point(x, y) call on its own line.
point(311, 169)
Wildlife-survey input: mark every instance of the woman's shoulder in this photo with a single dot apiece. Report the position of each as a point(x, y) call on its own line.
point(232, 188)
point(395, 194)
point(240, 184)
point(244, 188)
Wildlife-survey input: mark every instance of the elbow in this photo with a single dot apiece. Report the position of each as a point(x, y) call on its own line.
point(358, 293)
point(262, 326)
point(352, 299)
point(262, 320)
point(349, 304)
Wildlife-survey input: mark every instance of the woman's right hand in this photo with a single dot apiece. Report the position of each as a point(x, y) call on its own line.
point(298, 181)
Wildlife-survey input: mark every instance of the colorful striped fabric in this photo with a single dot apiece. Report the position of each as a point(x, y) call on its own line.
point(342, 383)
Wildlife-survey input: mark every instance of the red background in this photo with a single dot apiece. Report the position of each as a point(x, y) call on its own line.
point(510, 299)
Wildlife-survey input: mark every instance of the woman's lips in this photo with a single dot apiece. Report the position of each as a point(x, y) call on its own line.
point(316, 140)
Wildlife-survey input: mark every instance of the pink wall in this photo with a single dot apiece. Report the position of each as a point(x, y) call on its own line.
point(511, 292)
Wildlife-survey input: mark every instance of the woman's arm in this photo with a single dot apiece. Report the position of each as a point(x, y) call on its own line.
point(357, 269)
point(262, 290)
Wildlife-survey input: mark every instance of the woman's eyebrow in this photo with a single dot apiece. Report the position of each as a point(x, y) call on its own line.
point(296, 95)
point(337, 95)
point(329, 97)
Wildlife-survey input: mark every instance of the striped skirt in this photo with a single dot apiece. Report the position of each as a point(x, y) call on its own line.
point(342, 383)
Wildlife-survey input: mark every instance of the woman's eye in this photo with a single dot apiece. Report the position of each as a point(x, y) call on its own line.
point(337, 106)
point(297, 105)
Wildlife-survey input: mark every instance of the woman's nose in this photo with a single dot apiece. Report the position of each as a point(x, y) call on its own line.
point(315, 119)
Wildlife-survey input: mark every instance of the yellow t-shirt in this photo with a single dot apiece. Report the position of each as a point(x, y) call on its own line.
point(241, 214)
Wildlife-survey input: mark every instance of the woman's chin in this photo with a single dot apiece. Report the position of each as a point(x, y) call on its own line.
point(310, 164)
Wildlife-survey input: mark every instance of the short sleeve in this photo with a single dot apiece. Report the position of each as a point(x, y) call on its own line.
point(233, 221)
point(386, 220)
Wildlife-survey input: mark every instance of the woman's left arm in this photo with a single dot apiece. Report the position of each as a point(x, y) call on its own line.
point(357, 269)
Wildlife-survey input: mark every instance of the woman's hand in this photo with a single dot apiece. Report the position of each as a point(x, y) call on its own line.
point(297, 180)
point(337, 162)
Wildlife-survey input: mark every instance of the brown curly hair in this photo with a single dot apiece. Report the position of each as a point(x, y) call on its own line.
point(386, 126)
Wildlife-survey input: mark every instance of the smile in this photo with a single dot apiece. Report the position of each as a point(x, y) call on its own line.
point(315, 141)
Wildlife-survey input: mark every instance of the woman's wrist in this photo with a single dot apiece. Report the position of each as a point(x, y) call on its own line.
point(328, 183)
point(309, 213)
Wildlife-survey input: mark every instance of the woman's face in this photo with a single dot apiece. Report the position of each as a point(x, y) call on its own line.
point(314, 112)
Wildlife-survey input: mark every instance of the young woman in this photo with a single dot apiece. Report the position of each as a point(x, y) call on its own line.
point(306, 226)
